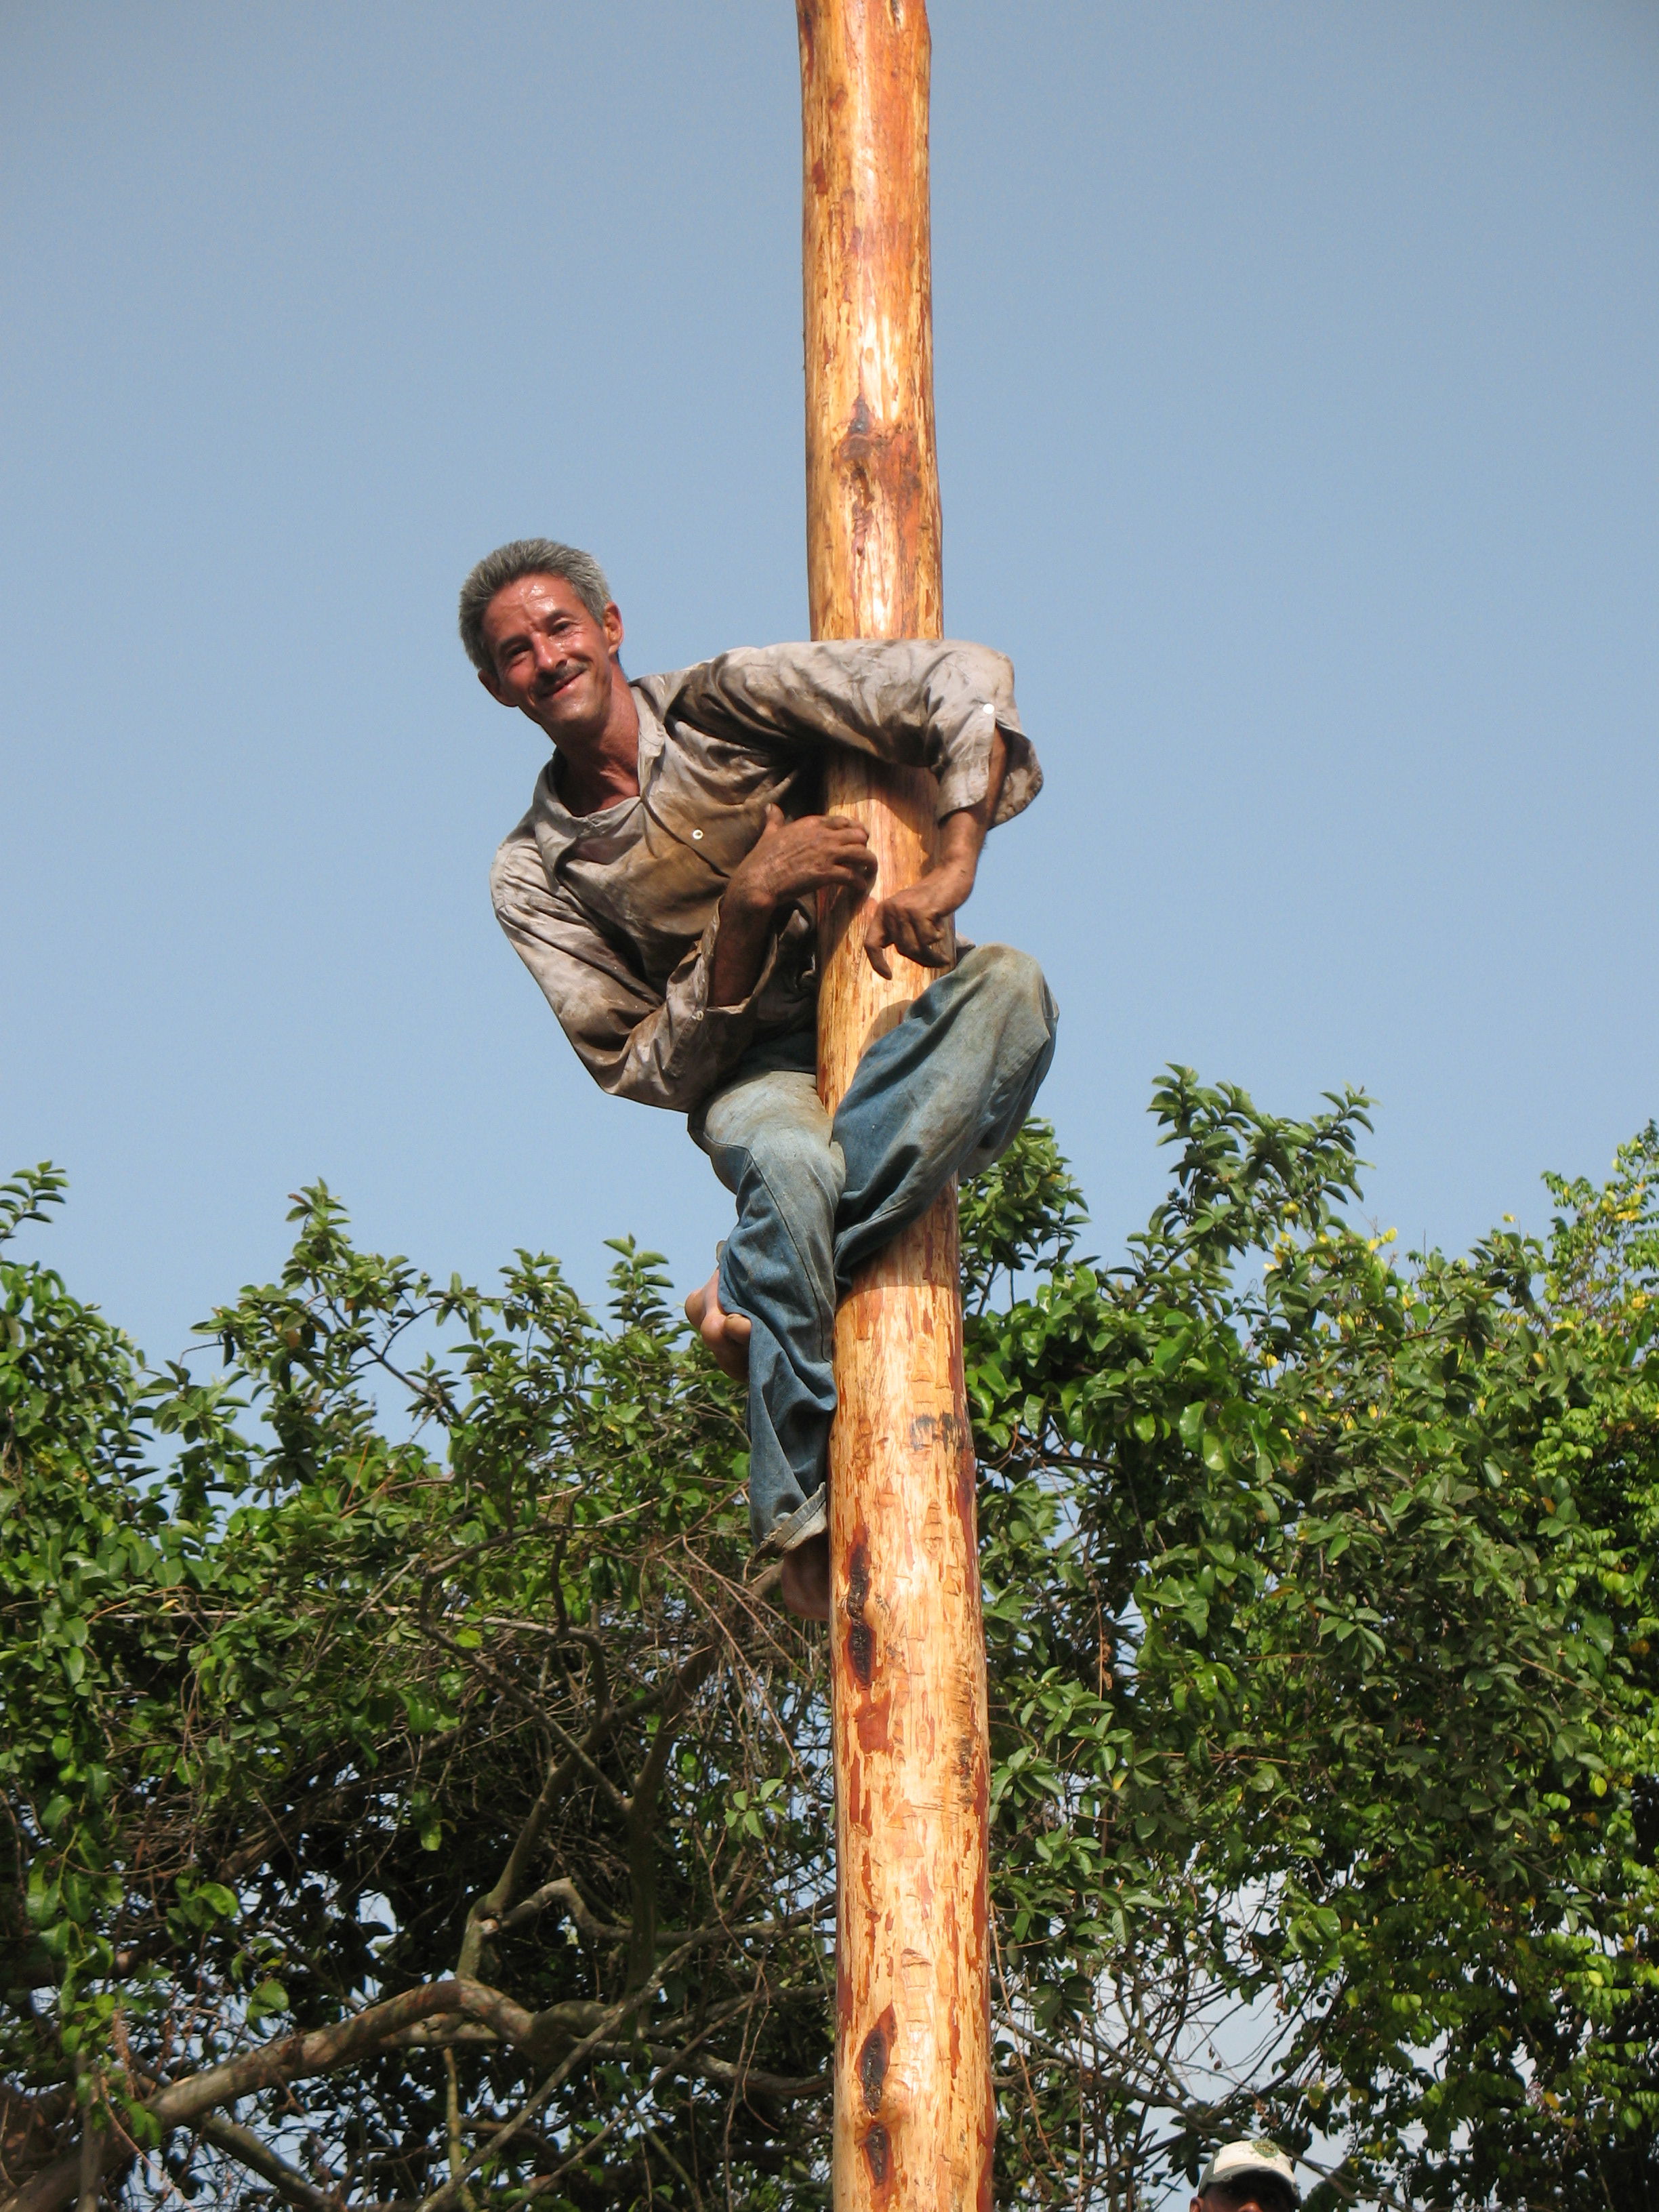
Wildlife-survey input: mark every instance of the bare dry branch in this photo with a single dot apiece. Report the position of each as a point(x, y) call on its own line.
point(319, 2050)
point(251, 2151)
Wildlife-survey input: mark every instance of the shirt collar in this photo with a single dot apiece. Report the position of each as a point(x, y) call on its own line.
point(653, 735)
point(552, 816)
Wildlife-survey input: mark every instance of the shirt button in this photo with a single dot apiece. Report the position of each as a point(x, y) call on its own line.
point(696, 836)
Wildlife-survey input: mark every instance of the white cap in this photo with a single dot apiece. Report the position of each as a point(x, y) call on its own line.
point(1256, 2155)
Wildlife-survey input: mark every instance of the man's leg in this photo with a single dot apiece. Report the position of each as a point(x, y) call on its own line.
point(770, 1142)
point(943, 1093)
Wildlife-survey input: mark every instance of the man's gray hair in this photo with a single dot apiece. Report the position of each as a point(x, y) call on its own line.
point(527, 556)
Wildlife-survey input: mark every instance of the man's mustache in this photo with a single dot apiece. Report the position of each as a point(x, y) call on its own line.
point(558, 678)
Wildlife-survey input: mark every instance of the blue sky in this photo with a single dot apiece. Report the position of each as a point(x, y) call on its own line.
point(1295, 376)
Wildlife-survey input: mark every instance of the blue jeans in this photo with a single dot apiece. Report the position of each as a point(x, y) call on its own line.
point(943, 1092)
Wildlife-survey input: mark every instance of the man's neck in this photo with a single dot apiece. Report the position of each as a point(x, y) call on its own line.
point(592, 773)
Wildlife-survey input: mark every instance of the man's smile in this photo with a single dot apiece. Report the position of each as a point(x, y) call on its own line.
point(560, 679)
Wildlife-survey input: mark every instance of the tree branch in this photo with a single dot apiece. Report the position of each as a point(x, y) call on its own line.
point(544, 2183)
point(613, 2019)
point(452, 2128)
point(731, 2073)
point(642, 1808)
point(248, 2149)
point(553, 1892)
point(484, 1915)
point(89, 2157)
point(318, 2050)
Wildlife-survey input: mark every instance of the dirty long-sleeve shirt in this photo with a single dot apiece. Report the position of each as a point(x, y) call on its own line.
point(615, 913)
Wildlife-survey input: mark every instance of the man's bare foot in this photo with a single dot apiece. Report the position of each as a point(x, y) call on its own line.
point(805, 1580)
point(726, 1334)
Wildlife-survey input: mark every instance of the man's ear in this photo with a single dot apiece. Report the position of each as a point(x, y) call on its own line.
point(613, 627)
point(486, 676)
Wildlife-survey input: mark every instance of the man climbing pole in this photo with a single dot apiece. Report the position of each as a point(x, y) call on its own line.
point(662, 888)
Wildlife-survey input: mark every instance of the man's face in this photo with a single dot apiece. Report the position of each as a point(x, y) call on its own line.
point(1251, 2192)
point(548, 657)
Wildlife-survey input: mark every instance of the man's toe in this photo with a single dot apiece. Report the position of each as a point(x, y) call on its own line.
point(729, 1342)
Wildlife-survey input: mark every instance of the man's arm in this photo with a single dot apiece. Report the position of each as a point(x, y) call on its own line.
point(913, 703)
point(662, 1047)
point(827, 852)
point(917, 922)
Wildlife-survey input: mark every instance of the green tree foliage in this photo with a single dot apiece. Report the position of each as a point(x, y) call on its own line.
point(414, 1796)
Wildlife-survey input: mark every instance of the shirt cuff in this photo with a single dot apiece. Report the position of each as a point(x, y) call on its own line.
point(967, 777)
point(707, 1038)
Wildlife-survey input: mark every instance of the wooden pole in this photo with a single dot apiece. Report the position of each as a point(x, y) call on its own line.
point(914, 2111)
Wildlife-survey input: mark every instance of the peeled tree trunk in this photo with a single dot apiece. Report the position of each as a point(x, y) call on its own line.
point(913, 2112)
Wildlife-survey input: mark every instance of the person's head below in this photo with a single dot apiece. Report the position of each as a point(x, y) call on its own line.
point(540, 626)
point(1252, 2175)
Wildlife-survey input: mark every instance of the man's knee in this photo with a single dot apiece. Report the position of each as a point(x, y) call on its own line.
point(781, 1251)
point(1012, 978)
point(776, 1119)
point(796, 1162)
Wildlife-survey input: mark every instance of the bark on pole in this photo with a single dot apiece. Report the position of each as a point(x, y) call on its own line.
point(913, 2112)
